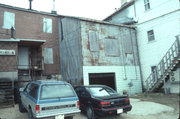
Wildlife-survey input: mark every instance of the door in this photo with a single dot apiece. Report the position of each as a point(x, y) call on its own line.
point(107, 79)
point(23, 58)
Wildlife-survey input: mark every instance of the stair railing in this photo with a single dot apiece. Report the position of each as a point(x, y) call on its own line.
point(164, 66)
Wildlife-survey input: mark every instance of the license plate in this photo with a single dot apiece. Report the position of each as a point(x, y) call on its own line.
point(119, 111)
point(59, 117)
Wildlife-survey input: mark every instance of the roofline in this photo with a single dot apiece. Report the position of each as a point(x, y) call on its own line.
point(27, 10)
point(64, 16)
point(120, 9)
point(96, 21)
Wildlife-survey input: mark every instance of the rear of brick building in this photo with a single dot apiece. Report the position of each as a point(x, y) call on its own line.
point(28, 44)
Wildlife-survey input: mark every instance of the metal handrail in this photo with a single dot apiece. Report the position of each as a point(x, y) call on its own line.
point(164, 65)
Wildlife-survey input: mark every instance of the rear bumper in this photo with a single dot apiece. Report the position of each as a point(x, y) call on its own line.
point(66, 114)
point(112, 111)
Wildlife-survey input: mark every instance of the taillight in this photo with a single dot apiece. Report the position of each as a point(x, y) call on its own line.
point(126, 100)
point(104, 103)
point(78, 103)
point(37, 108)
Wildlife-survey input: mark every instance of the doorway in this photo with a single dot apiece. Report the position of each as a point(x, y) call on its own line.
point(107, 79)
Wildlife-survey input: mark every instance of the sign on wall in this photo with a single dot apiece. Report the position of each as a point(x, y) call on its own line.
point(7, 52)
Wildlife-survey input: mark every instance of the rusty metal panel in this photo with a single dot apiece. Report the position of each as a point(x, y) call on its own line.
point(117, 45)
point(112, 48)
point(93, 39)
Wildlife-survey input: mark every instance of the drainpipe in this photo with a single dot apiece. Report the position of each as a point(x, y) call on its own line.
point(139, 62)
point(12, 32)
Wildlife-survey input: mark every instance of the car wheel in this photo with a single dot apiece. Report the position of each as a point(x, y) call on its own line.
point(90, 112)
point(21, 107)
point(30, 114)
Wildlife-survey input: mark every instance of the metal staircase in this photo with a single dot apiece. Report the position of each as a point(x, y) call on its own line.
point(169, 63)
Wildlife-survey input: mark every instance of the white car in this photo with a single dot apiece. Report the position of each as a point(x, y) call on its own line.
point(49, 99)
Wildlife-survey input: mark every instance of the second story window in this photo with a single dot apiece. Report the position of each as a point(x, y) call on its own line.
point(146, 5)
point(9, 20)
point(47, 25)
point(150, 35)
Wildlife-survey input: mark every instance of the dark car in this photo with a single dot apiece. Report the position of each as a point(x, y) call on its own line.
point(101, 100)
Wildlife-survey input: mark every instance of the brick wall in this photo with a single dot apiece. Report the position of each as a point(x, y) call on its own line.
point(8, 63)
point(29, 25)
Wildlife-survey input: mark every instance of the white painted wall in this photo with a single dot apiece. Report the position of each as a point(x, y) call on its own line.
point(132, 74)
point(165, 29)
point(163, 18)
point(157, 9)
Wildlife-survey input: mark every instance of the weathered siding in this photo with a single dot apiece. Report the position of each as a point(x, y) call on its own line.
point(123, 77)
point(70, 50)
point(114, 45)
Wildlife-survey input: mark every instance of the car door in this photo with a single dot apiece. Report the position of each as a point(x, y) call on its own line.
point(84, 98)
point(24, 95)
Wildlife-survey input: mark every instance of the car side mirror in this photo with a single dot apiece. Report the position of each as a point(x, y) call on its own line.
point(21, 89)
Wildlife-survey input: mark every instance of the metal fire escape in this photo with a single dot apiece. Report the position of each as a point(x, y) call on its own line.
point(160, 74)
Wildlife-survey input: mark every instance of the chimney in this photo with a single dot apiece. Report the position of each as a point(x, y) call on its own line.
point(30, 4)
point(53, 11)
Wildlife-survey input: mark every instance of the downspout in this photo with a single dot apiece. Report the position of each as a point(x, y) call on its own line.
point(139, 62)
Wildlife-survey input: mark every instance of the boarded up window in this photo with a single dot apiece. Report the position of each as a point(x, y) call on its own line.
point(48, 55)
point(9, 20)
point(112, 47)
point(47, 25)
point(93, 39)
point(129, 59)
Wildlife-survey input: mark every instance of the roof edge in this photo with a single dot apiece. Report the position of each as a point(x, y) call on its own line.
point(27, 10)
point(120, 9)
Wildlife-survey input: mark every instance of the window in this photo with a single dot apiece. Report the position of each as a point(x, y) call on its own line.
point(101, 91)
point(34, 90)
point(150, 35)
point(48, 55)
point(47, 25)
point(146, 5)
point(112, 48)
point(56, 91)
point(93, 39)
point(9, 20)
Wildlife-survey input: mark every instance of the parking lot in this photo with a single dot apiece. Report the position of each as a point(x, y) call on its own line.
point(145, 106)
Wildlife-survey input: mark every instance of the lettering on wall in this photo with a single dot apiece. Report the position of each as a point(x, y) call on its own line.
point(7, 52)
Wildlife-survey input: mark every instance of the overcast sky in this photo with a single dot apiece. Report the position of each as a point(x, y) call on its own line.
point(95, 9)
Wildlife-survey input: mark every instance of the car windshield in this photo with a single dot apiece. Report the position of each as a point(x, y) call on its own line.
point(101, 91)
point(56, 91)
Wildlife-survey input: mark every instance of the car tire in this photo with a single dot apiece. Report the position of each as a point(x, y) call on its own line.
point(70, 117)
point(30, 114)
point(90, 113)
point(21, 107)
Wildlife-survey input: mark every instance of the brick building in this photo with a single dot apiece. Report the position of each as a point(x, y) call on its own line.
point(29, 43)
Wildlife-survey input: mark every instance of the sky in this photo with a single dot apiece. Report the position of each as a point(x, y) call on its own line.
point(94, 9)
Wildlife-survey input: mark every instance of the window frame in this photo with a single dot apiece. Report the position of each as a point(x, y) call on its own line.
point(8, 23)
point(46, 22)
point(147, 5)
point(150, 35)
